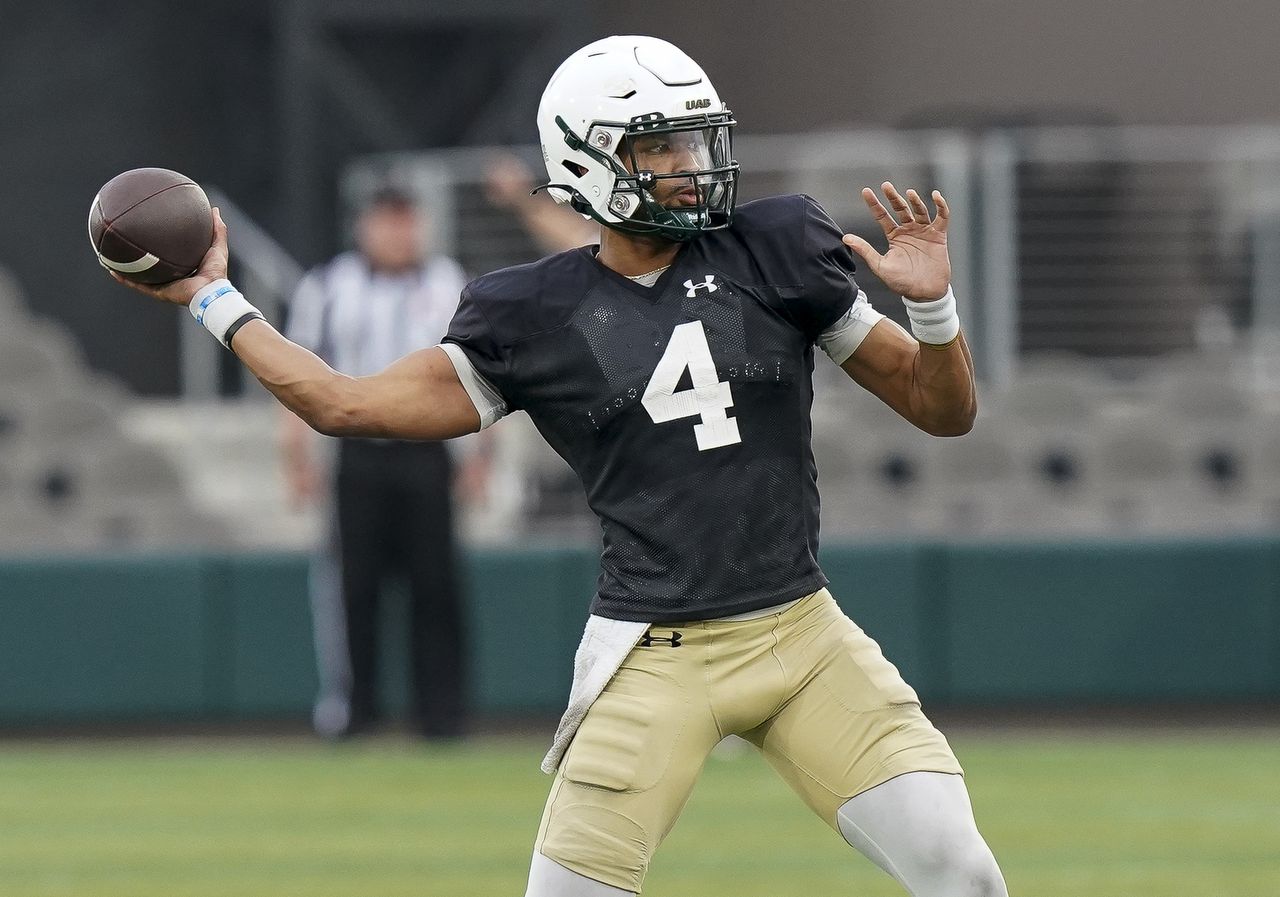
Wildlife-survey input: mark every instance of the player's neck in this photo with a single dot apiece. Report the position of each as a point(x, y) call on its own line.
point(631, 256)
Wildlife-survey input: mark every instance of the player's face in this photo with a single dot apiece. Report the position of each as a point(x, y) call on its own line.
point(669, 154)
point(391, 237)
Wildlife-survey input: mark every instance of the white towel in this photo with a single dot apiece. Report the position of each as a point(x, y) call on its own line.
point(605, 645)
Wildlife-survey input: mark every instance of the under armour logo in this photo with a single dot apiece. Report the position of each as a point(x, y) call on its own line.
point(693, 288)
point(650, 640)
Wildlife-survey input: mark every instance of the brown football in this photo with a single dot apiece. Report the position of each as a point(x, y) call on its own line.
point(151, 225)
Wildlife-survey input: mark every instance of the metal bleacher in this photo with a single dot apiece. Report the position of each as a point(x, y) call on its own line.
point(71, 479)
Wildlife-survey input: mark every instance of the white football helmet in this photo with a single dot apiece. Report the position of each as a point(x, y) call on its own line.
point(611, 112)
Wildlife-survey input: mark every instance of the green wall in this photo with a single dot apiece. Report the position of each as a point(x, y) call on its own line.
point(224, 637)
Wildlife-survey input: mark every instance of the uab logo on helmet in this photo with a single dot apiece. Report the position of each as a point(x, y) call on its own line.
point(704, 103)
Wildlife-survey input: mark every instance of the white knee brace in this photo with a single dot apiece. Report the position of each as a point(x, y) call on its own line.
point(919, 828)
point(547, 878)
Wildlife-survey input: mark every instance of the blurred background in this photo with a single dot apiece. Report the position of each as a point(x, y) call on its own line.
point(1085, 589)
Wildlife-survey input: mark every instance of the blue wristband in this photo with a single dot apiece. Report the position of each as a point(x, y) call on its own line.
point(208, 300)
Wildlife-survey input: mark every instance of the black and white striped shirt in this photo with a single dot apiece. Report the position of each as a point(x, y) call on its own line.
point(360, 321)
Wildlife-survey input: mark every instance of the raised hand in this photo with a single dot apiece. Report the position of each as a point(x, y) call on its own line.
point(212, 267)
point(916, 265)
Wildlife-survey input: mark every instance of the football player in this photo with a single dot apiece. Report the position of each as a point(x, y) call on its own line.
point(671, 367)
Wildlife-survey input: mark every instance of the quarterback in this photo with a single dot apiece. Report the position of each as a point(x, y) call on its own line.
point(671, 367)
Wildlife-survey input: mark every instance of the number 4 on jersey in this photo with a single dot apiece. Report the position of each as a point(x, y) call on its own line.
point(708, 399)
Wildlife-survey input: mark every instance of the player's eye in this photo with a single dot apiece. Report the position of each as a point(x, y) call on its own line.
point(651, 147)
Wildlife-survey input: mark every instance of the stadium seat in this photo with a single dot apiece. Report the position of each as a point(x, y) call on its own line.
point(157, 524)
point(9, 484)
point(1137, 461)
point(1211, 417)
point(16, 409)
point(1201, 396)
point(1153, 479)
point(1220, 458)
point(987, 456)
point(80, 474)
point(1060, 366)
point(36, 356)
point(13, 305)
point(1262, 483)
point(132, 471)
point(862, 509)
point(80, 414)
point(882, 487)
point(834, 453)
point(974, 480)
point(1055, 423)
point(29, 529)
point(1052, 451)
point(1047, 402)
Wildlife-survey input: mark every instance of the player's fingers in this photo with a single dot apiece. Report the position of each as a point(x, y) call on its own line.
point(918, 209)
point(864, 250)
point(143, 288)
point(214, 263)
point(125, 282)
point(944, 211)
point(897, 202)
point(219, 230)
point(878, 211)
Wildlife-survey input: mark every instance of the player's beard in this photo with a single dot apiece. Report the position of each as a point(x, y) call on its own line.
point(672, 203)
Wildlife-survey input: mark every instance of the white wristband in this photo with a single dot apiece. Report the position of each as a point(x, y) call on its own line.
point(222, 310)
point(935, 322)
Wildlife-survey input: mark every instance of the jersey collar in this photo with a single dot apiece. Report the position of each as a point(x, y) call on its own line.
point(653, 293)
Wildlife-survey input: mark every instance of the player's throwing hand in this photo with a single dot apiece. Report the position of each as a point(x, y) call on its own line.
point(916, 265)
point(213, 267)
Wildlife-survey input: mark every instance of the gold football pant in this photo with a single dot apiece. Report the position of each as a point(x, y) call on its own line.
point(806, 686)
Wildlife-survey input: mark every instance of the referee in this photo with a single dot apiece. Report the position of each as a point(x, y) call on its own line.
point(392, 506)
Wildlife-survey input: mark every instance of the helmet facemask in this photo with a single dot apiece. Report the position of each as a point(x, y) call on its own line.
point(673, 177)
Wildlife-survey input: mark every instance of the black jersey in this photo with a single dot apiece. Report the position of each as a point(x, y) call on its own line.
point(683, 407)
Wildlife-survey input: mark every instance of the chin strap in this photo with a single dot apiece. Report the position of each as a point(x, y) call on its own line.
point(582, 206)
point(577, 201)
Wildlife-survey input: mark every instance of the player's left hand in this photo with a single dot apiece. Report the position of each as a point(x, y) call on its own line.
point(916, 265)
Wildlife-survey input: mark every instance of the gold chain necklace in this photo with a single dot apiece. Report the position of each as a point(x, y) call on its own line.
point(640, 278)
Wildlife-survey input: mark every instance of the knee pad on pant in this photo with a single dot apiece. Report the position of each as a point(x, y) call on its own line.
point(547, 878)
point(598, 843)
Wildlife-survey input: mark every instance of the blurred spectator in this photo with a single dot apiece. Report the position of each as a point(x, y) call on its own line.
point(554, 227)
point(392, 505)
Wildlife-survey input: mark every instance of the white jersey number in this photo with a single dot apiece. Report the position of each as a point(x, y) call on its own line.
point(708, 399)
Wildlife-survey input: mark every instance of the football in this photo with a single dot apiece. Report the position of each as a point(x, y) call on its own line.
point(151, 225)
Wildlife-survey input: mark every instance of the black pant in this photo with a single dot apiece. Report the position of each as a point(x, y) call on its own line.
point(395, 516)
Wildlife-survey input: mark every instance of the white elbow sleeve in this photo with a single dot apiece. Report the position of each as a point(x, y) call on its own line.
point(842, 338)
point(489, 403)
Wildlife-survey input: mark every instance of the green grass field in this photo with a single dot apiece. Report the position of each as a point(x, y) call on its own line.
point(1095, 814)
